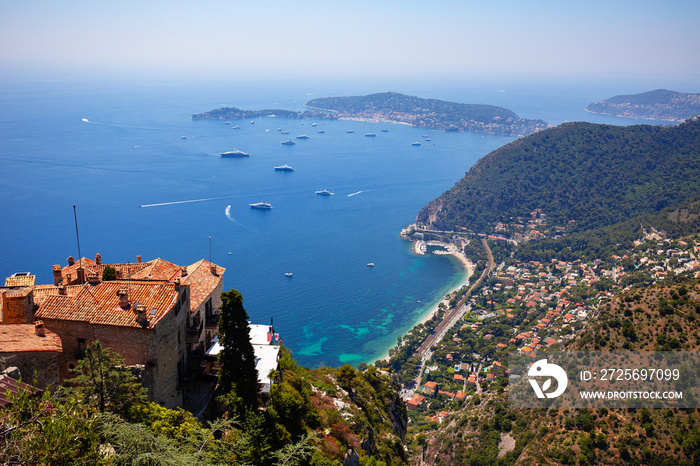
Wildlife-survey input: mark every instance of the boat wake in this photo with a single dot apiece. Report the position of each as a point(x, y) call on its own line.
point(360, 192)
point(181, 202)
point(228, 216)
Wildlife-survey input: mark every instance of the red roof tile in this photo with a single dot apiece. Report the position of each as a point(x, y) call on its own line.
point(201, 281)
point(158, 270)
point(42, 292)
point(21, 337)
point(21, 280)
point(99, 304)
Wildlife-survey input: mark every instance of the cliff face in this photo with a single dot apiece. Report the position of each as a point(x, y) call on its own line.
point(355, 414)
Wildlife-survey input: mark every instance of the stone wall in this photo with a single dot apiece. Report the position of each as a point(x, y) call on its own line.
point(17, 306)
point(45, 363)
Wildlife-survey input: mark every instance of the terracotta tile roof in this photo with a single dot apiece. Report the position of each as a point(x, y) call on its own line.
point(202, 282)
point(86, 263)
point(17, 292)
point(20, 280)
point(21, 337)
point(124, 271)
point(158, 270)
point(8, 384)
point(42, 292)
point(99, 304)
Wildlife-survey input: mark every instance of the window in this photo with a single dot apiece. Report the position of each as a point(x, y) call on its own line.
point(81, 348)
point(208, 309)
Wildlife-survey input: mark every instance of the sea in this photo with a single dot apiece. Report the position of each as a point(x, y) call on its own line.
point(119, 168)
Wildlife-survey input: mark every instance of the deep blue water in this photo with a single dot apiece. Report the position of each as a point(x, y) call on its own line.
point(127, 170)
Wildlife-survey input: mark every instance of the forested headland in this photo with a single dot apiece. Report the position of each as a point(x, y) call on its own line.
point(660, 105)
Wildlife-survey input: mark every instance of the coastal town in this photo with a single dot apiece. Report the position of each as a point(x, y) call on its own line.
point(522, 307)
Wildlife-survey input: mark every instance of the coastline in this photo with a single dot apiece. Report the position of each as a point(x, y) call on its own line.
point(468, 270)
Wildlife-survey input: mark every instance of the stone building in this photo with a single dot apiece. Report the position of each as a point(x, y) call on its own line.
point(33, 350)
point(144, 322)
point(160, 317)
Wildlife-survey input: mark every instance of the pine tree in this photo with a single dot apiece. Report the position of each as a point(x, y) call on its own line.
point(109, 274)
point(238, 377)
point(104, 381)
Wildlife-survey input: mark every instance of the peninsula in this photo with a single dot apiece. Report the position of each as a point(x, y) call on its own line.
point(392, 107)
point(233, 113)
point(429, 113)
point(660, 105)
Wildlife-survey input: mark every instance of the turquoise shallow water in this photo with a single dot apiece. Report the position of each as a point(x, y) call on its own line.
point(130, 153)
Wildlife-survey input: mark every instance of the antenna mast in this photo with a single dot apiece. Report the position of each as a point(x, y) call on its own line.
point(75, 216)
point(210, 249)
point(77, 236)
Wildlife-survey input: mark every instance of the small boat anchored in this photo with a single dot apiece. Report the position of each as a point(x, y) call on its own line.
point(324, 192)
point(284, 168)
point(370, 264)
point(289, 274)
point(261, 205)
point(235, 153)
point(288, 142)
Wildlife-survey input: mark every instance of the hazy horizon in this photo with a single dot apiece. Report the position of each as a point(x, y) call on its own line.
point(381, 42)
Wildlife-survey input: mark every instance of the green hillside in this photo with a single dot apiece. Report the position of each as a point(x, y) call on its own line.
point(596, 175)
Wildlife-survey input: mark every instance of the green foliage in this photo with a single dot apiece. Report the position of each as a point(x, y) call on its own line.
point(47, 429)
point(170, 423)
point(105, 383)
point(109, 274)
point(346, 376)
point(238, 378)
point(597, 175)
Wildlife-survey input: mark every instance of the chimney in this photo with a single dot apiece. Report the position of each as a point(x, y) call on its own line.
point(93, 278)
point(176, 282)
point(141, 315)
point(183, 271)
point(213, 270)
point(123, 294)
point(39, 329)
point(57, 277)
point(138, 259)
point(81, 275)
point(69, 277)
point(71, 260)
point(98, 259)
point(62, 290)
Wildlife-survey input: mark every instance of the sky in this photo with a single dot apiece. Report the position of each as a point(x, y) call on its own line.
point(458, 38)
